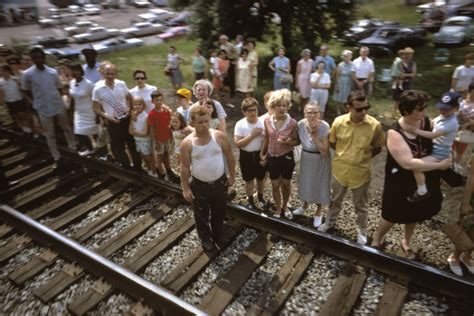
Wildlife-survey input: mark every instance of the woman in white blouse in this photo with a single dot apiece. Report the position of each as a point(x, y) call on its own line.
point(85, 126)
point(320, 84)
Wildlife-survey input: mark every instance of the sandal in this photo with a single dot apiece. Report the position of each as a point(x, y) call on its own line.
point(409, 253)
point(288, 214)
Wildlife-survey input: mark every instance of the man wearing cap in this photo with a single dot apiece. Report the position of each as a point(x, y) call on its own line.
point(43, 85)
point(445, 127)
point(91, 67)
point(356, 138)
point(183, 102)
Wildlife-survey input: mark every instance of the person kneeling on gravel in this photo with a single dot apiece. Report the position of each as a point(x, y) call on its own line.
point(202, 157)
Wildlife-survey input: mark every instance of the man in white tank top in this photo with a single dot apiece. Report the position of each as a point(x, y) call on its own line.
point(202, 157)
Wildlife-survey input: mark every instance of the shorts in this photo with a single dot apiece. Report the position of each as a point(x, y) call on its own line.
point(281, 166)
point(163, 147)
point(250, 165)
point(17, 106)
point(143, 145)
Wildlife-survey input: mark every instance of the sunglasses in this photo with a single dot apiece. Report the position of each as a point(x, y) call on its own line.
point(251, 110)
point(140, 78)
point(358, 110)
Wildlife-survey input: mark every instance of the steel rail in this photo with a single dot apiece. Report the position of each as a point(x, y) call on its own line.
point(154, 296)
point(406, 271)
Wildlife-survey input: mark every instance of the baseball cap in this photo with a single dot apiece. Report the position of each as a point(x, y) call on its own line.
point(185, 93)
point(449, 100)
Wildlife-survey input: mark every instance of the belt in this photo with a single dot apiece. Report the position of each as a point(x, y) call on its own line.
point(197, 181)
point(312, 152)
point(360, 79)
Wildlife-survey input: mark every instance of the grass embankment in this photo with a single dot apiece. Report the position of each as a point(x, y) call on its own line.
point(433, 77)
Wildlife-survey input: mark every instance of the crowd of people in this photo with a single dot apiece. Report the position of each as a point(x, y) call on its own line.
point(140, 131)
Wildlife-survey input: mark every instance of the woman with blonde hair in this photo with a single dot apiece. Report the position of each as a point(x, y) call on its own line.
point(343, 86)
point(277, 149)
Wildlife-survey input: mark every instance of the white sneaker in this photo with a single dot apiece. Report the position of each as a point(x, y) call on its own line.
point(299, 211)
point(86, 152)
point(317, 221)
point(460, 169)
point(455, 267)
point(361, 238)
point(325, 227)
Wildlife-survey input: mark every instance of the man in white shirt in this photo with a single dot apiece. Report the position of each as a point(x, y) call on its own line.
point(363, 71)
point(463, 75)
point(112, 101)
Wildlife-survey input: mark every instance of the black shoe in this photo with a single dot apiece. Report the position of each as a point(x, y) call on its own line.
point(231, 195)
point(415, 197)
point(251, 206)
point(161, 176)
point(207, 245)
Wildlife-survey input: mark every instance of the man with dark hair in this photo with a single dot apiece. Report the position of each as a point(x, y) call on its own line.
point(43, 85)
point(463, 75)
point(204, 155)
point(356, 137)
point(91, 67)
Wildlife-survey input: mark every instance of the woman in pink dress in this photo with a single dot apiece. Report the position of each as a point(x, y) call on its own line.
point(303, 73)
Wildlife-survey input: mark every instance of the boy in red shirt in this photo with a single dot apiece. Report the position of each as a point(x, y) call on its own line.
point(159, 124)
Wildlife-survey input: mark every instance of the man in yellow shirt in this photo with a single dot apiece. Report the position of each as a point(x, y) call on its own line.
point(356, 137)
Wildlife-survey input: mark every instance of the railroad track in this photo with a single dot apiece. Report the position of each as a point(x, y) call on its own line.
point(92, 234)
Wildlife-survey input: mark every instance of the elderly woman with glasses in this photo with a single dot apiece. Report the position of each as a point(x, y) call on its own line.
point(404, 153)
point(315, 168)
point(142, 89)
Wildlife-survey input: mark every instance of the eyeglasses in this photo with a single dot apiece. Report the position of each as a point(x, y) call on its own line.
point(312, 112)
point(251, 110)
point(140, 78)
point(358, 110)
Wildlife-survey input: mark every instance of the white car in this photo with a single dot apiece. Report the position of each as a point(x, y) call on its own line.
point(74, 9)
point(162, 14)
point(141, 3)
point(116, 44)
point(95, 34)
point(54, 20)
point(142, 29)
point(79, 27)
point(91, 9)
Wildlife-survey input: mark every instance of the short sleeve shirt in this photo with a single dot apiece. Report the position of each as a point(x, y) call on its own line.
point(449, 125)
point(44, 85)
point(363, 68)
point(140, 123)
point(330, 64)
point(113, 99)
point(144, 93)
point(325, 79)
point(92, 74)
point(352, 161)
point(243, 128)
point(11, 89)
point(160, 121)
point(464, 77)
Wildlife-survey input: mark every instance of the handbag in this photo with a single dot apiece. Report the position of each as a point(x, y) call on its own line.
point(465, 136)
point(286, 78)
point(297, 153)
point(452, 178)
point(167, 72)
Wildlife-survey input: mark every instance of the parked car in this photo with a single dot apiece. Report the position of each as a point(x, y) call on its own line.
point(140, 3)
point(95, 34)
point(162, 14)
point(364, 28)
point(63, 53)
point(142, 29)
point(49, 41)
point(160, 3)
point(91, 9)
point(74, 9)
point(116, 44)
point(455, 30)
point(181, 19)
point(173, 32)
point(422, 8)
point(79, 27)
point(390, 39)
point(55, 20)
